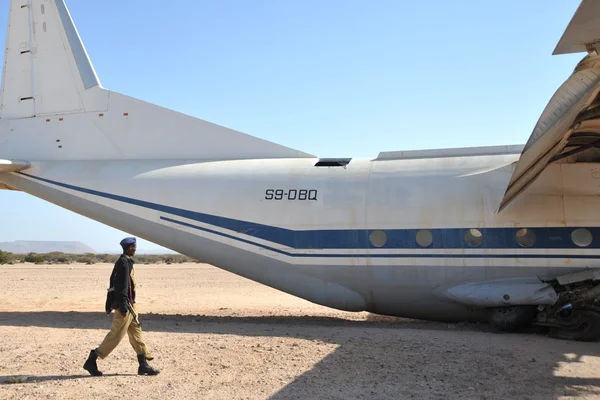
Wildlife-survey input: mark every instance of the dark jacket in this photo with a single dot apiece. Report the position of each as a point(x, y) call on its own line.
point(120, 280)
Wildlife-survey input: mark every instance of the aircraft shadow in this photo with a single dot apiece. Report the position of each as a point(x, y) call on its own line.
point(381, 357)
point(174, 323)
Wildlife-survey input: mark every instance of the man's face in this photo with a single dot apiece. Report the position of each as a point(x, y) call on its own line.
point(131, 250)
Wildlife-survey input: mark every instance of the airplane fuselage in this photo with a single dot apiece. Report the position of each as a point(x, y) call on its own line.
point(374, 235)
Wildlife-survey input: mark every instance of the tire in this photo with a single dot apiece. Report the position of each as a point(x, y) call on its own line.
point(512, 318)
point(587, 331)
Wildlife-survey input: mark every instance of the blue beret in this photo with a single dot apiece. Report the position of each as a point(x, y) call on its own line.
point(127, 242)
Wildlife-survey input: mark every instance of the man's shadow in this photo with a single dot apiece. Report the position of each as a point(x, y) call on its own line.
point(21, 379)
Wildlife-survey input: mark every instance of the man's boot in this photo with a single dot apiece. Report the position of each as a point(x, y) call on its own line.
point(145, 368)
point(90, 364)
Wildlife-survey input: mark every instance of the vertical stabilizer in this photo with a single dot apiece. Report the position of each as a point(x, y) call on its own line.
point(46, 66)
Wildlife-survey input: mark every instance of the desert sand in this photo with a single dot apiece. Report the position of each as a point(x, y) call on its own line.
point(219, 336)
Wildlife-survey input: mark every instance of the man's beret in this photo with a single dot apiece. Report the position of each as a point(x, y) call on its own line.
point(127, 242)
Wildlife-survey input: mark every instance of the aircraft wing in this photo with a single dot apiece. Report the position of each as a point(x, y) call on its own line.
point(569, 127)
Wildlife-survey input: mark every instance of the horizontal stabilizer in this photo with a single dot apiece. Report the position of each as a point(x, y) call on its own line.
point(53, 107)
point(583, 31)
point(13, 165)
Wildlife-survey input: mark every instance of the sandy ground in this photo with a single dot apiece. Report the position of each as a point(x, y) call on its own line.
point(219, 336)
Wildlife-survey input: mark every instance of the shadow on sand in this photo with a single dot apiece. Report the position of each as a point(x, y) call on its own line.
point(382, 357)
point(14, 379)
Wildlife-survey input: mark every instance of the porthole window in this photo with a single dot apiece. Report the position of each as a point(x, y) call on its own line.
point(378, 238)
point(525, 237)
point(582, 237)
point(473, 237)
point(424, 238)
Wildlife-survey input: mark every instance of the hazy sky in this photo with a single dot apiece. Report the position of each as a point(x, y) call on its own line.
point(332, 78)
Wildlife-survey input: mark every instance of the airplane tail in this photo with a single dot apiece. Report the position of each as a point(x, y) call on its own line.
point(53, 107)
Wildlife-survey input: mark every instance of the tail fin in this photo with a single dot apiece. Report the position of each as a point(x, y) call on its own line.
point(54, 108)
point(46, 64)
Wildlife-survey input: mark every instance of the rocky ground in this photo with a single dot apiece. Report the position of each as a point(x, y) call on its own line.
point(218, 336)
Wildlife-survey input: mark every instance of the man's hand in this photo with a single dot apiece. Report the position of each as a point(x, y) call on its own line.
point(134, 313)
point(123, 310)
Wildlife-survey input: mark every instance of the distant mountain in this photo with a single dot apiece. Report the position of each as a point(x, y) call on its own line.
point(30, 246)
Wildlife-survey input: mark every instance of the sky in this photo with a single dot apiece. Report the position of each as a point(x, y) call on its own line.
point(336, 78)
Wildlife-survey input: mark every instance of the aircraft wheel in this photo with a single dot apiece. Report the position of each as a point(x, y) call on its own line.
point(587, 329)
point(512, 318)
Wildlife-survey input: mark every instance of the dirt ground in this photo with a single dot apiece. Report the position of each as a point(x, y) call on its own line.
point(219, 336)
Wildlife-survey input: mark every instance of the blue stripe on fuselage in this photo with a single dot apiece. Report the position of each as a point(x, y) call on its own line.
point(443, 238)
point(379, 255)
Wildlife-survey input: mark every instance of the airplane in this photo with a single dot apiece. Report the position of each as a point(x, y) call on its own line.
point(508, 235)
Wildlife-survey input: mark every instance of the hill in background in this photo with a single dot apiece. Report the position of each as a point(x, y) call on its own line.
point(31, 246)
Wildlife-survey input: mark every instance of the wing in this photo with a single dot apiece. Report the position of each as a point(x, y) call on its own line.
point(569, 128)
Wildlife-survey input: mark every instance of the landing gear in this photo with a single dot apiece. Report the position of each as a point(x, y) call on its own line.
point(573, 324)
point(567, 324)
point(576, 314)
point(567, 307)
point(512, 318)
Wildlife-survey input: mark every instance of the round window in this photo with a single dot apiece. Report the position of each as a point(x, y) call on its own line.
point(378, 238)
point(473, 237)
point(424, 238)
point(582, 237)
point(525, 237)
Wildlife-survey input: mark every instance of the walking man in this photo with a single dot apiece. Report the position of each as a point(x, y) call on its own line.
point(121, 299)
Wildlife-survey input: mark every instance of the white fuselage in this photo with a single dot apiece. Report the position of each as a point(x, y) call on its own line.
point(393, 235)
point(308, 230)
